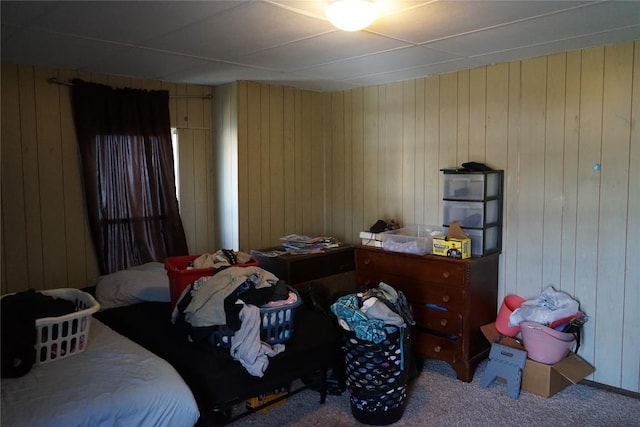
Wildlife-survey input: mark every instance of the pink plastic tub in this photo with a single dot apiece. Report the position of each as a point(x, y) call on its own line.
point(509, 304)
point(545, 345)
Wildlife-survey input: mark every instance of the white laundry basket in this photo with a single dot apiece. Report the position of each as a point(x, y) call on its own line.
point(63, 336)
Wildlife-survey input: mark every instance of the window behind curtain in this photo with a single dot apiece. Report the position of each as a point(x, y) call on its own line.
point(124, 137)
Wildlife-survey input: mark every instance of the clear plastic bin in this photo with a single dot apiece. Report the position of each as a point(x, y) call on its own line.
point(415, 239)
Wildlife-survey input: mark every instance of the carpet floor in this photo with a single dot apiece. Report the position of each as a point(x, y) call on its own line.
point(436, 398)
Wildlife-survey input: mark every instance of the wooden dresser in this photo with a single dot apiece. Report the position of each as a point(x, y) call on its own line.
point(450, 300)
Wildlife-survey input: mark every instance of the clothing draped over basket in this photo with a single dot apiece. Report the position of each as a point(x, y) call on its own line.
point(231, 298)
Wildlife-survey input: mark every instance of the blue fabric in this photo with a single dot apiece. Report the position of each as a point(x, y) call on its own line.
point(347, 308)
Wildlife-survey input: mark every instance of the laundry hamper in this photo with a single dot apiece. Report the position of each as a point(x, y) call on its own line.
point(181, 275)
point(276, 325)
point(59, 337)
point(377, 376)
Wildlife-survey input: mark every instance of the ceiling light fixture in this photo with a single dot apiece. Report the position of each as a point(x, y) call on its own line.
point(351, 15)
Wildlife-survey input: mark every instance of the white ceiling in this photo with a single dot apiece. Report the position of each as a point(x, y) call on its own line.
point(291, 43)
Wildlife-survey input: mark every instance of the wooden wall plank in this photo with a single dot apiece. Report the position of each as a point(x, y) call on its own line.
point(370, 156)
point(393, 207)
point(447, 144)
point(31, 176)
point(570, 172)
point(432, 164)
point(255, 164)
point(307, 163)
point(15, 271)
point(553, 170)
point(80, 267)
point(613, 209)
point(300, 174)
point(245, 186)
point(477, 120)
point(530, 175)
point(511, 223)
point(265, 164)
point(347, 167)
point(631, 327)
point(588, 196)
point(289, 161)
point(408, 159)
point(276, 163)
point(419, 173)
point(318, 166)
point(497, 135)
point(465, 132)
point(383, 148)
point(336, 164)
point(357, 167)
point(51, 181)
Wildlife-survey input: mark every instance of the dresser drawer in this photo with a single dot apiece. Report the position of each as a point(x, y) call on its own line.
point(433, 346)
point(426, 269)
point(448, 297)
point(444, 322)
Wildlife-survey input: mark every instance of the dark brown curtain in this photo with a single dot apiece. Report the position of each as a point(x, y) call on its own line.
point(127, 158)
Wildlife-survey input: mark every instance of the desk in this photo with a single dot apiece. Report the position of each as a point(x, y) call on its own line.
point(299, 270)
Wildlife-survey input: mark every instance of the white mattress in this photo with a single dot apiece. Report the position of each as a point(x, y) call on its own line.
point(114, 382)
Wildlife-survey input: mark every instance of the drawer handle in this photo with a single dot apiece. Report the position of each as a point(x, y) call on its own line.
point(443, 322)
point(437, 349)
point(367, 282)
point(367, 261)
point(446, 298)
point(446, 274)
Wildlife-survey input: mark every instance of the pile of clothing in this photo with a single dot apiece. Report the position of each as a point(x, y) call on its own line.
point(220, 259)
point(372, 314)
point(232, 298)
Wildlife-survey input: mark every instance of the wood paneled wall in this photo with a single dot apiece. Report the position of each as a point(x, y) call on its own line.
point(46, 241)
point(281, 164)
point(547, 122)
point(334, 163)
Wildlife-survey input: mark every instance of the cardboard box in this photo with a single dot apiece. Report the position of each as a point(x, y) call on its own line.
point(456, 244)
point(538, 378)
point(256, 402)
point(452, 248)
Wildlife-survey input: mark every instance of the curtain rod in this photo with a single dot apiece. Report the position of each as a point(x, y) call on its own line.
point(55, 81)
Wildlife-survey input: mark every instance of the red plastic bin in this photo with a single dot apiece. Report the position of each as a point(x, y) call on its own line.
point(180, 277)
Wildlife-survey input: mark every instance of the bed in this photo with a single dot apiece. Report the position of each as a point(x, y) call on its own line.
point(136, 310)
point(113, 382)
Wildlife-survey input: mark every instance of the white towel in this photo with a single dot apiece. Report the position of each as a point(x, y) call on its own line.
point(246, 346)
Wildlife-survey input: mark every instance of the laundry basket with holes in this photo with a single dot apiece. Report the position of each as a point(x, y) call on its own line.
point(58, 337)
point(377, 376)
point(276, 324)
point(64, 336)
